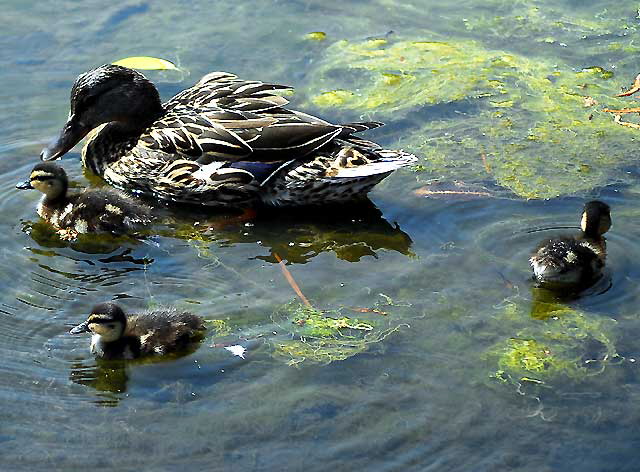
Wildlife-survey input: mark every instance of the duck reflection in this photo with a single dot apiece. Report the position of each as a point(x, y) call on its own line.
point(351, 232)
point(546, 301)
point(297, 235)
point(109, 378)
point(46, 236)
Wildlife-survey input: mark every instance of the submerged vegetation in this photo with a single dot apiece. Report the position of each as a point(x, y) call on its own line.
point(565, 347)
point(319, 337)
point(533, 125)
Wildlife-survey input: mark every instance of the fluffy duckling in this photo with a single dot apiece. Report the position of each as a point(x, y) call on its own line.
point(103, 210)
point(154, 332)
point(575, 260)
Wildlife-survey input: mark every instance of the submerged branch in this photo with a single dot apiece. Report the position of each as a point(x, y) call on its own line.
point(291, 280)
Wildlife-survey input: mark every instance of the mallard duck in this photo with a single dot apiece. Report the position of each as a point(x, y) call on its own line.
point(102, 210)
point(575, 260)
point(223, 142)
point(153, 332)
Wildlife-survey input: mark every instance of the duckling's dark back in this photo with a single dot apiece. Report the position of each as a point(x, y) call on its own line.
point(164, 330)
point(106, 210)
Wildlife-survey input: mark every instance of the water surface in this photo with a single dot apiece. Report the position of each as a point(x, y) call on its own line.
point(444, 281)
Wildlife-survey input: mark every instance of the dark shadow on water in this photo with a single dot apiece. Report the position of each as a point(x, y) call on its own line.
point(297, 235)
point(108, 378)
point(547, 299)
point(45, 235)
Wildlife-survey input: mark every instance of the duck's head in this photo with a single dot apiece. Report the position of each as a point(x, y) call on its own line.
point(596, 219)
point(106, 320)
point(49, 178)
point(108, 93)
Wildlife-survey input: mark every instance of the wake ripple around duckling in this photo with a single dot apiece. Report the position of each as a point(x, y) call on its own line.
point(507, 245)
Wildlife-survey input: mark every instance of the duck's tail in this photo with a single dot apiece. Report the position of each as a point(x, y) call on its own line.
point(351, 128)
point(386, 161)
point(335, 177)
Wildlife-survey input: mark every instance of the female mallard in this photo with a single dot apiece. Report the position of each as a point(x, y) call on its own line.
point(102, 210)
point(154, 332)
point(224, 141)
point(575, 260)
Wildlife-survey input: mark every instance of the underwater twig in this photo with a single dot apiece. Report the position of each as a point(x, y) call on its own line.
point(424, 192)
point(359, 309)
point(291, 280)
point(634, 88)
point(485, 162)
point(618, 119)
point(622, 110)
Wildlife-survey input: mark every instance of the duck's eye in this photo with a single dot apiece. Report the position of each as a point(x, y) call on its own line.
point(84, 103)
point(111, 326)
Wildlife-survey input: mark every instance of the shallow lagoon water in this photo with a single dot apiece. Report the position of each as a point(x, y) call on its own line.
point(451, 387)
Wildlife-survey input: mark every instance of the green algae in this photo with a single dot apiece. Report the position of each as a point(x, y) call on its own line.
point(566, 346)
point(532, 125)
point(319, 337)
point(218, 327)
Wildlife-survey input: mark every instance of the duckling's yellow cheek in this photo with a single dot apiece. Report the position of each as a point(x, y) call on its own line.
point(97, 328)
point(583, 222)
point(38, 185)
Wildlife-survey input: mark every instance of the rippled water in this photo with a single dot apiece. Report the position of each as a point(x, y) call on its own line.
point(445, 281)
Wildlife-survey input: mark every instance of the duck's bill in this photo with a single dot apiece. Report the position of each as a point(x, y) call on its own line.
point(26, 185)
point(81, 328)
point(70, 135)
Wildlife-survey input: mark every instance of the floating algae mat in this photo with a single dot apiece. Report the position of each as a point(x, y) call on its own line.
point(318, 337)
point(564, 348)
point(532, 125)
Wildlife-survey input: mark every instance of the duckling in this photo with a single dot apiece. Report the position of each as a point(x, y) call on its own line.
point(577, 260)
point(153, 332)
point(92, 211)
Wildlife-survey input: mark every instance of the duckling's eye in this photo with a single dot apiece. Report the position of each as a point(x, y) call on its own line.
point(111, 326)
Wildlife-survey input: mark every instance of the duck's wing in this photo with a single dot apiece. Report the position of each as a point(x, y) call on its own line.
point(222, 89)
point(104, 210)
point(214, 134)
point(251, 112)
point(187, 133)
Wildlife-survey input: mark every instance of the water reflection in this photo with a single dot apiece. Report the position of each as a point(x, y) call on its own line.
point(545, 300)
point(45, 235)
point(108, 378)
point(297, 236)
point(201, 364)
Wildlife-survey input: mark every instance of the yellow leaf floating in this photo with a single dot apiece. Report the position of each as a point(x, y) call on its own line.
point(316, 36)
point(146, 63)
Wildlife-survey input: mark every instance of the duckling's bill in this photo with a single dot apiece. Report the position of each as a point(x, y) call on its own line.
point(26, 185)
point(81, 328)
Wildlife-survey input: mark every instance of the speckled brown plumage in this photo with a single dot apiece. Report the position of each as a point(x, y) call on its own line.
point(153, 332)
point(103, 210)
point(576, 261)
point(223, 142)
